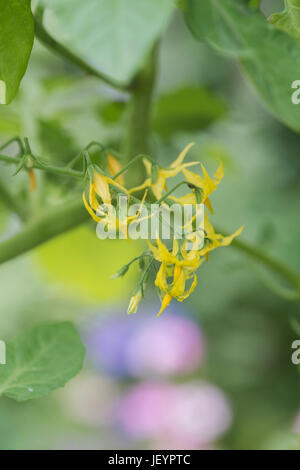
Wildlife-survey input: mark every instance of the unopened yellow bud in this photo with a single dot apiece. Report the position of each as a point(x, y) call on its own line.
point(134, 302)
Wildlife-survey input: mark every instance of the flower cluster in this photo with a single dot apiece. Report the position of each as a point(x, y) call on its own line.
point(176, 275)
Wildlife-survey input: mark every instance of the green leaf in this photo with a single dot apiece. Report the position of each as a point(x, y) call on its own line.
point(16, 40)
point(187, 109)
point(55, 141)
point(112, 35)
point(82, 279)
point(289, 20)
point(41, 360)
point(270, 58)
point(112, 112)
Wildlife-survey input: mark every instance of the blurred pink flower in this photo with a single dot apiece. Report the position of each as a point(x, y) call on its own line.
point(193, 415)
point(143, 411)
point(170, 345)
point(201, 412)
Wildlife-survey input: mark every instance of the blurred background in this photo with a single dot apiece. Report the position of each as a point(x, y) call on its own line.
point(213, 372)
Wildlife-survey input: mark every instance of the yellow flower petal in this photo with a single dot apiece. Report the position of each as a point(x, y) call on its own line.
point(117, 185)
point(90, 210)
point(161, 278)
point(146, 184)
point(187, 199)
point(92, 198)
point(208, 205)
point(148, 166)
point(182, 156)
point(159, 185)
point(219, 174)
point(114, 167)
point(102, 187)
point(192, 288)
point(165, 303)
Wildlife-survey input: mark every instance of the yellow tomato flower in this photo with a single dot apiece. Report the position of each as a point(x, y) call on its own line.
point(214, 240)
point(180, 268)
point(205, 183)
point(159, 185)
point(181, 265)
point(100, 187)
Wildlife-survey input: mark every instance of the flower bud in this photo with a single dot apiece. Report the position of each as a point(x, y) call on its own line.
point(134, 302)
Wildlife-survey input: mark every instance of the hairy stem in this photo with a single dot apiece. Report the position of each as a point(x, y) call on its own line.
point(55, 222)
point(140, 110)
point(39, 165)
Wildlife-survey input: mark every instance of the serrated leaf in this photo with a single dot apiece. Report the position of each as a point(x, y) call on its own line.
point(187, 109)
point(289, 19)
point(41, 360)
point(112, 35)
point(270, 58)
point(16, 41)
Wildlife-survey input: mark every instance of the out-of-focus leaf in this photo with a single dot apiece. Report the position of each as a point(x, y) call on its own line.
point(187, 109)
point(55, 141)
point(270, 57)
point(16, 40)
point(41, 360)
point(288, 20)
point(112, 112)
point(114, 36)
point(86, 276)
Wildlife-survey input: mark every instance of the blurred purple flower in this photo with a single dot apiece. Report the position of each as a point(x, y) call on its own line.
point(145, 346)
point(194, 414)
point(107, 340)
point(170, 345)
point(143, 411)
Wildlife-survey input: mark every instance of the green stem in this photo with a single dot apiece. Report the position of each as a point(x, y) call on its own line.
point(45, 38)
point(129, 164)
point(55, 222)
point(140, 110)
point(7, 159)
point(279, 268)
point(165, 196)
point(16, 140)
point(11, 201)
point(57, 170)
point(38, 165)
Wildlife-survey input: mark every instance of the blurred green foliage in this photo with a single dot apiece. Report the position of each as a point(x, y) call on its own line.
point(83, 265)
point(187, 109)
point(247, 329)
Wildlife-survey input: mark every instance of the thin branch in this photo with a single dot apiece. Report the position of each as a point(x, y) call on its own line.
point(39, 165)
point(279, 268)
